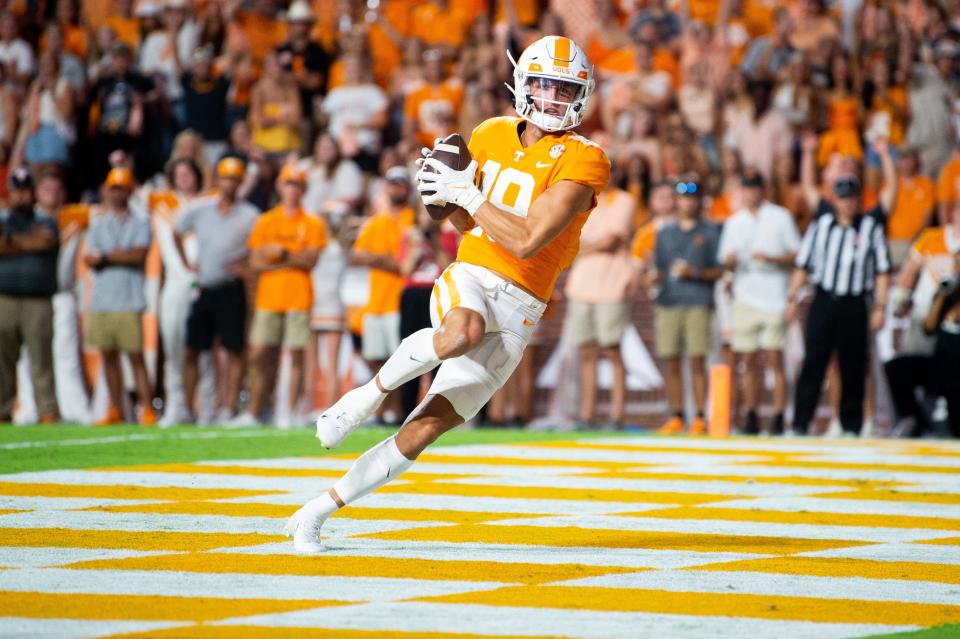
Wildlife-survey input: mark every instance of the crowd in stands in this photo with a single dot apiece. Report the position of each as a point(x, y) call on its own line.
point(190, 186)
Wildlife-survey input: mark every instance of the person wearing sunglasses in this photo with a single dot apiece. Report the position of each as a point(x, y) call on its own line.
point(685, 259)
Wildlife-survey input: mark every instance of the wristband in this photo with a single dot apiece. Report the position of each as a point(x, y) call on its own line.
point(472, 201)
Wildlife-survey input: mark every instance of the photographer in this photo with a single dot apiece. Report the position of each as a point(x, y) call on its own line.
point(938, 374)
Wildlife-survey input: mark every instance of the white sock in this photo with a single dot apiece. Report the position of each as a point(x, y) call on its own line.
point(372, 470)
point(321, 507)
point(414, 357)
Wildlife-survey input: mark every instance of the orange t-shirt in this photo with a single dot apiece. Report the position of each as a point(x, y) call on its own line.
point(286, 289)
point(74, 41)
point(527, 12)
point(948, 184)
point(645, 241)
point(256, 34)
point(915, 199)
point(127, 30)
point(512, 177)
point(434, 26)
point(77, 215)
point(381, 235)
point(436, 110)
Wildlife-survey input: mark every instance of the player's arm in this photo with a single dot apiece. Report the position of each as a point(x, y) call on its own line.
point(462, 221)
point(549, 214)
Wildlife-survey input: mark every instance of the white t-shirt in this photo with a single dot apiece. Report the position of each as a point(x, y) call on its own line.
point(346, 183)
point(352, 106)
point(19, 53)
point(156, 56)
point(770, 231)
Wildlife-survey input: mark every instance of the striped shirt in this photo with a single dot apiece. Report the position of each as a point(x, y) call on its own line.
point(844, 260)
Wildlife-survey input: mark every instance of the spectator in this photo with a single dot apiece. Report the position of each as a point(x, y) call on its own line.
point(16, 56)
point(330, 176)
point(117, 113)
point(68, 370)
point(948, 186)
point(685, 258)
point(221, 227)
point(767, 55)
point(938, 374)
point(432, 110)
point(71, 67)
point(255, 32)
point(116, 250)
point(28, 280)
point(305, 59)
point(205, 103)
point(914, 207)
point(125, 24)
point(813, 28)
point(844, 254)
point(930, 93)
point(47, 121)
point(759, 244)
point(176, 292)
point(74, 34)
point(376, 247)
point(597, 316)
point(356, 112)
point(426, 249)
point(662, 203)
point(166, 52)
point(285, 244)
point(275, 110)
point(765, 136)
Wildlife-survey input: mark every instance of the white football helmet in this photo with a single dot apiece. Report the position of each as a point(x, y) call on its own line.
point(554, 65)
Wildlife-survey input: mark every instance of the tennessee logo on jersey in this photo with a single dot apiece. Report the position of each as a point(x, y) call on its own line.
point(511, 178)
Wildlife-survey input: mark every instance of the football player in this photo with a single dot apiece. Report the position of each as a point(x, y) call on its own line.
point(521, 214)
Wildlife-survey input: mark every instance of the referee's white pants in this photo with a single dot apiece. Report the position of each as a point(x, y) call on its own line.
point(176, 296)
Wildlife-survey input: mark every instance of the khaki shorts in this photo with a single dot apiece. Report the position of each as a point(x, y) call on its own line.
point(601, 323)
point(899, 252)
point(115, 331)
point(679, 329)
point(381, 336)
point(754, 329)
point(290, 329)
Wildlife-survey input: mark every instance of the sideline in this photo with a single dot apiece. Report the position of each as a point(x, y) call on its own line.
point(210, 434)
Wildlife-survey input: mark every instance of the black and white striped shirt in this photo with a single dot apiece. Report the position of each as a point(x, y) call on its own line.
point(844, 260)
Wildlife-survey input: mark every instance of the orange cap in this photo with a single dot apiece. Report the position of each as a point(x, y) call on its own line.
point(120, 176)
point(231, 167)
point(292, 173)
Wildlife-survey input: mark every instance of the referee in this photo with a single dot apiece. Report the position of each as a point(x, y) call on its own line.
point(844, 253)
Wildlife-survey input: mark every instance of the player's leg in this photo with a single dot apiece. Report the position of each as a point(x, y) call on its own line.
point(462, 386)
point(459, 329)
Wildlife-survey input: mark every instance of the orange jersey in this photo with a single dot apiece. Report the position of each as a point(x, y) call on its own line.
point(645, 241)
point(512, 177)
point(435, 108)
point(381, 235)
point(948, 184)
point(286, 289)
point(916, 197)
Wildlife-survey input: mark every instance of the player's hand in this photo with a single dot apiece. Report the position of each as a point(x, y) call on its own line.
point(449, 186)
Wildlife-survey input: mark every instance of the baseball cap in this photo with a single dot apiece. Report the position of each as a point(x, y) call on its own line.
point(299, 11)
point(397, 174)
point(293, 173)
point(120, 176)
point(231, 167)
point(147, 9)
point(20, 178)
point(751, 179)
point(847, 186)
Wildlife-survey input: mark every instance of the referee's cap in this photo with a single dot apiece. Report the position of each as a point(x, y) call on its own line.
point(847, 186)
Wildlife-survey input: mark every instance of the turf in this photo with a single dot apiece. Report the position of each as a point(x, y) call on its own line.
point(36, 448)
point(950, 631)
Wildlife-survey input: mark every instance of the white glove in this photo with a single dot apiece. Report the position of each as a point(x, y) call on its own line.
point(449, 186)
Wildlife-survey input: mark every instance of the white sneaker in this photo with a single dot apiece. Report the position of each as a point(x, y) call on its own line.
point(245, 419)
point(304, 529)
point(869, 429)
point(353, 409)
point(834, 430)
point(224, 415)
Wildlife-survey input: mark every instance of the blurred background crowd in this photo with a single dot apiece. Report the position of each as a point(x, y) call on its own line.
point(210, 215)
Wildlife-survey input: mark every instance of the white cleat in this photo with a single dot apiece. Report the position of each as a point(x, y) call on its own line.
point(353, 409)
point(304, 529)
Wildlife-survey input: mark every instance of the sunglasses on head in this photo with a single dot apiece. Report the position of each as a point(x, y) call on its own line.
point(687, 188)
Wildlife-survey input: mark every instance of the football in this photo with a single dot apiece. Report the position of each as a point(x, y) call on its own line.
point(453, 152)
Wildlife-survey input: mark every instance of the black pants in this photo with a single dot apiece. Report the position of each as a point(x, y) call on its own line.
point(835, 325)
point(936, 375)
point(414, 315)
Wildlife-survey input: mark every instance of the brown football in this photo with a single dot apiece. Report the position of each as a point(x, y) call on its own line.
point(453, 152)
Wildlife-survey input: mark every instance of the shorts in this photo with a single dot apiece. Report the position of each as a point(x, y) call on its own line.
point(381, 336)
point(219, 311)
point(290, 329)
point(682, 328)
point(510, 314)
point(115, 331)
point(755, 329)
point(600, 323)
point(899, 252)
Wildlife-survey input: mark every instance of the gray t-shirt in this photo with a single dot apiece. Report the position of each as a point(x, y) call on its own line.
point(118, 288)
point(32, 274)
point(698, 248)
point(222, 237)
